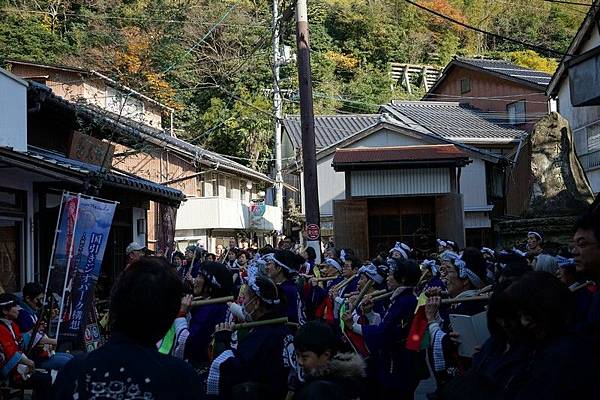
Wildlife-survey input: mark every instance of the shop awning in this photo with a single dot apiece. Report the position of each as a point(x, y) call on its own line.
point(444, 155)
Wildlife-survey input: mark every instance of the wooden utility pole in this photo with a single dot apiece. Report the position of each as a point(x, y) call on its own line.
point(278, 106)
point(307, 122)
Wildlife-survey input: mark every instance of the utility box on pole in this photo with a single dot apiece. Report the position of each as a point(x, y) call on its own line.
point(307, 122)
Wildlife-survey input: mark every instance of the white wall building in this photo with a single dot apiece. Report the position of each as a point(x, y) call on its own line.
point(409, 124)
point(584, 120)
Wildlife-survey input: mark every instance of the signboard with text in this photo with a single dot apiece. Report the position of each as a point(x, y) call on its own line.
point(80, 244)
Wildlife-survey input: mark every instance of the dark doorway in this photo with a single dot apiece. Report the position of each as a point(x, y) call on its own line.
point(410, 220)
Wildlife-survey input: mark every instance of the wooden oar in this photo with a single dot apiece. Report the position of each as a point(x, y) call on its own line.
point(217, 300)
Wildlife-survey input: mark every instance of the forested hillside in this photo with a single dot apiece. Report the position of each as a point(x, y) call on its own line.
point(210, 59)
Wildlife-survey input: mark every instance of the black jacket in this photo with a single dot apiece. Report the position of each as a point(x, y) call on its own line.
point(125, 369)
point(342, 378)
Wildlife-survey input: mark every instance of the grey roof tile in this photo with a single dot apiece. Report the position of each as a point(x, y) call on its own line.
point(114, 177)
point(454, 121)
point(509, 69)
point(137, 130)
point(330, 129)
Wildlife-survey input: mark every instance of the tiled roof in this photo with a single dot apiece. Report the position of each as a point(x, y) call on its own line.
point(45, 160)
point(139, 129)
point(407, 154)
point(330, 129)
point(509, 70)
point(454, 121)
point(139, 132)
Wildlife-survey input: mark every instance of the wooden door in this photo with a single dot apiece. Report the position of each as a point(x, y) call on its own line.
point(350, 226)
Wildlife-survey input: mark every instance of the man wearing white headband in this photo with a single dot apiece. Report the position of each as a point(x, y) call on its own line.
point(281, 267)
point(400, 251)
point(463, 281)
point(534, 243)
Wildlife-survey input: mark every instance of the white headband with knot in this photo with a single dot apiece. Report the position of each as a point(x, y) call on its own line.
point(253, 272)
point(487, 250)
point(371, 271)
point(448, 255)
point(271, 258)
point(432, 265)
point(332, 263)
point(464, 272)
point(401, 248)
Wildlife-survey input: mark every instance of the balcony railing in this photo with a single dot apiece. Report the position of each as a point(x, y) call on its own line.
point(590, 160)
point(223, 213)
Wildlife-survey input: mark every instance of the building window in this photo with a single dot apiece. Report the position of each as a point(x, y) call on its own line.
point(13, 206)
point(221, 192)
point(210, 185)
point(516, 112)
point(593, 137)
point(465, 85)
point(243, 190)
point(228, 187)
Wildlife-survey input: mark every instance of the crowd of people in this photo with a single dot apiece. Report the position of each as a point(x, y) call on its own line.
point(271, 323)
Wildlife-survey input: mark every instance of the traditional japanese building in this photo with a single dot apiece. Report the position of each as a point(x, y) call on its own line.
point(399, 195)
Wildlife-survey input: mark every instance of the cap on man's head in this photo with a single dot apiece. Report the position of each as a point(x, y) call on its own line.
point(134, 246)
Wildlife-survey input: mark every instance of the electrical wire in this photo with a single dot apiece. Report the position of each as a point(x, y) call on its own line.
point(206, 35)
point(496, 35)
point(574, 3)
point(414, 124)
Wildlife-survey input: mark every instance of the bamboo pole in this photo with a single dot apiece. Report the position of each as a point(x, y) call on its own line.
point(248, 325)
point(378, 292)
point(342, 284)
point(382, 296)
point(581, 286)
point(217, 300)
point(361, 295)
point(326, 278)
point(465, 299)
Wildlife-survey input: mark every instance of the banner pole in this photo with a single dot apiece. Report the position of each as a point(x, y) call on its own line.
point(51, 264)
point(68, 269)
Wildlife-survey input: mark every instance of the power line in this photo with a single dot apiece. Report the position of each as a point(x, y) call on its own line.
point(508, 98)
point(508, 39)
point(496, 121)
point(188, 51)
point(574, 3)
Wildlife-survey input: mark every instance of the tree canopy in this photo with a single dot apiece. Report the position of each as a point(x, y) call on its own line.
point(211, 59)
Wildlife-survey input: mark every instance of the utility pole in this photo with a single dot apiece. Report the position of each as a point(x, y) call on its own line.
point(307, 122)
point(278, 107)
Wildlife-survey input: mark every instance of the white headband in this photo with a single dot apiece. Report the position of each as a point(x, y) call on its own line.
point(332, 263)
point(430, 264)
point(271, 258)
point(401, 248)
point(464, 272)
point(372, 273)
point(252, 274)
point(539, 236)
